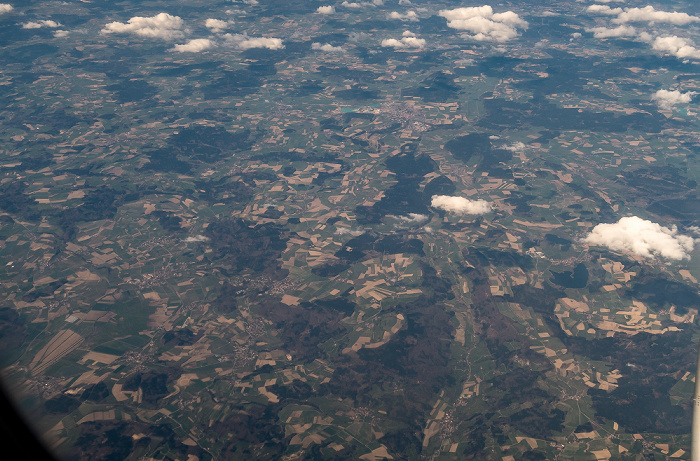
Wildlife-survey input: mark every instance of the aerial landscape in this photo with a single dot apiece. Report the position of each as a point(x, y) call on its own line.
point(384, 229)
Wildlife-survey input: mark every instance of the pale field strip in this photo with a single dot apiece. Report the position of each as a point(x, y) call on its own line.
point(106, 415)
point(433, 424)
point(366, 341)
point(553, 349)
point(98, 357)
point(381, 268)
point(93, 231)
point(305, 420)
point(377, 454)
point(198, 352)
point(310, 250)
point(63, 343)
point(122, 395)
point(635, 319)
point(460, 331)
point(87, 378)
point(502, 281)
point(305, 426)
point(270, 358)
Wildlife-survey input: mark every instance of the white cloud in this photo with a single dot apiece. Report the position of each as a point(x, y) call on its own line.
point(162, 25)
point(326, 47)
point(405, 2)
point(194, 46)
point(576, 35)
point(412, 218)
point(406, 42)
point(5, 8)
point(345, 230)
point(347, 4)
point(645, 37)
point(620, 31)
point(408, 16)
point(250, 2)
point(603, 9)
point(244, 42)
point(40, 24)
point(460, 205)
point(677, 46)
point(392, 42)
point(667, 99)
point(515, 147)
point(484, 24)
point(642, 237)
point(61, 33)
point(649, 14)
point(327, 9)
point(217, 25)
point(197, 238)
point(409, 40)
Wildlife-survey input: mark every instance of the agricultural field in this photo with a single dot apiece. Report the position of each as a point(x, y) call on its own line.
point(336, 232)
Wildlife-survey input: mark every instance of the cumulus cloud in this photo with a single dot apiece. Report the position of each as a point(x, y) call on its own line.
point(345, 230)
point(347, 4)
point(677, 46)
point(406, 42)
point(412, 218)
point(515, 147)
point(197, 238)
point(642, 237)
point(244, 42)
point(5, 8)
point(194, 46)
point(40, 24)
point(409, 40)
point(620, 31)
point(217, 25)
point(460, 205)
point(162, 25)
point(61, 33)
point(326, 47)
point(327, 9)
point(667, 99)
point(649, 14)
point(604, 9)
point(645, 37)
point(404, 2)
point(407, 16)
point(483, 24)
